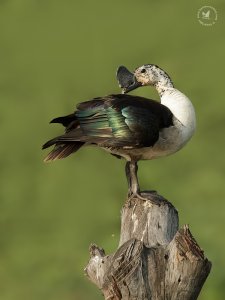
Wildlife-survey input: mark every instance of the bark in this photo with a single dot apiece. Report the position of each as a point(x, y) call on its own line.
point(155, 260)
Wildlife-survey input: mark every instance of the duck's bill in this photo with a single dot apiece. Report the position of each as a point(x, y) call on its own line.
point(127, 80)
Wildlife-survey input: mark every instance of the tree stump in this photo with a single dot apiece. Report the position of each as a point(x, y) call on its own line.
point(155, 260)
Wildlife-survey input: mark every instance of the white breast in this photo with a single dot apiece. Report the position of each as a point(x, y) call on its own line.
point(173, 138)
point(181, 107)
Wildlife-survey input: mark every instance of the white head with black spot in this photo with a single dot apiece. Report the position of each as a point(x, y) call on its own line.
point(154, 76)
point(148, 74)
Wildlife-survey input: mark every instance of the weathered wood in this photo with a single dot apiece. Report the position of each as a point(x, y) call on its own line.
point(154, 221)
point(155, 260)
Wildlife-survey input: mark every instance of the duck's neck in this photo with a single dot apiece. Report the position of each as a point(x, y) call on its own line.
point(180, 106)
point(163, 84)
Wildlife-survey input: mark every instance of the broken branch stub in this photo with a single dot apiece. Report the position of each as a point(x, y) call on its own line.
point(155, 260)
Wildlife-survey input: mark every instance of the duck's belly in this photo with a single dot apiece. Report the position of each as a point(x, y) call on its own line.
point(170, 141)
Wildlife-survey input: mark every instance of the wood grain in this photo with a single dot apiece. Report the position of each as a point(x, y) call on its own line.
point(155, 260)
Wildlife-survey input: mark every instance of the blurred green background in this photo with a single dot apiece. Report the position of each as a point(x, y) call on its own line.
point(54, 54)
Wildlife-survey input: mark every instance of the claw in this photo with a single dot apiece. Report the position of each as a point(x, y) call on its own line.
point(138, 196)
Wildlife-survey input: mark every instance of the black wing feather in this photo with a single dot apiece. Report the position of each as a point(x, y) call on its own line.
point(111, 121)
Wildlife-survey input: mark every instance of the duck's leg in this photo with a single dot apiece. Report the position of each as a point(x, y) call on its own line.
point(132, 179)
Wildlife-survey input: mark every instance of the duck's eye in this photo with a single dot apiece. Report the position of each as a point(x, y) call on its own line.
point(143, 70)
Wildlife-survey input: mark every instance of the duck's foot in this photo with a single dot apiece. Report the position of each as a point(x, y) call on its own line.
point(136, 195)
point(144, 196)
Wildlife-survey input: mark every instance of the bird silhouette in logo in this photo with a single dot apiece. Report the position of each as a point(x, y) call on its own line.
point(205, 15)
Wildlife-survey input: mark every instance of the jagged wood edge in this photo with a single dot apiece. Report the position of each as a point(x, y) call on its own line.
point(119, 275)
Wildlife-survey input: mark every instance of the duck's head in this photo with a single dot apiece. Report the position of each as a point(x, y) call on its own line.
point(149, 74)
